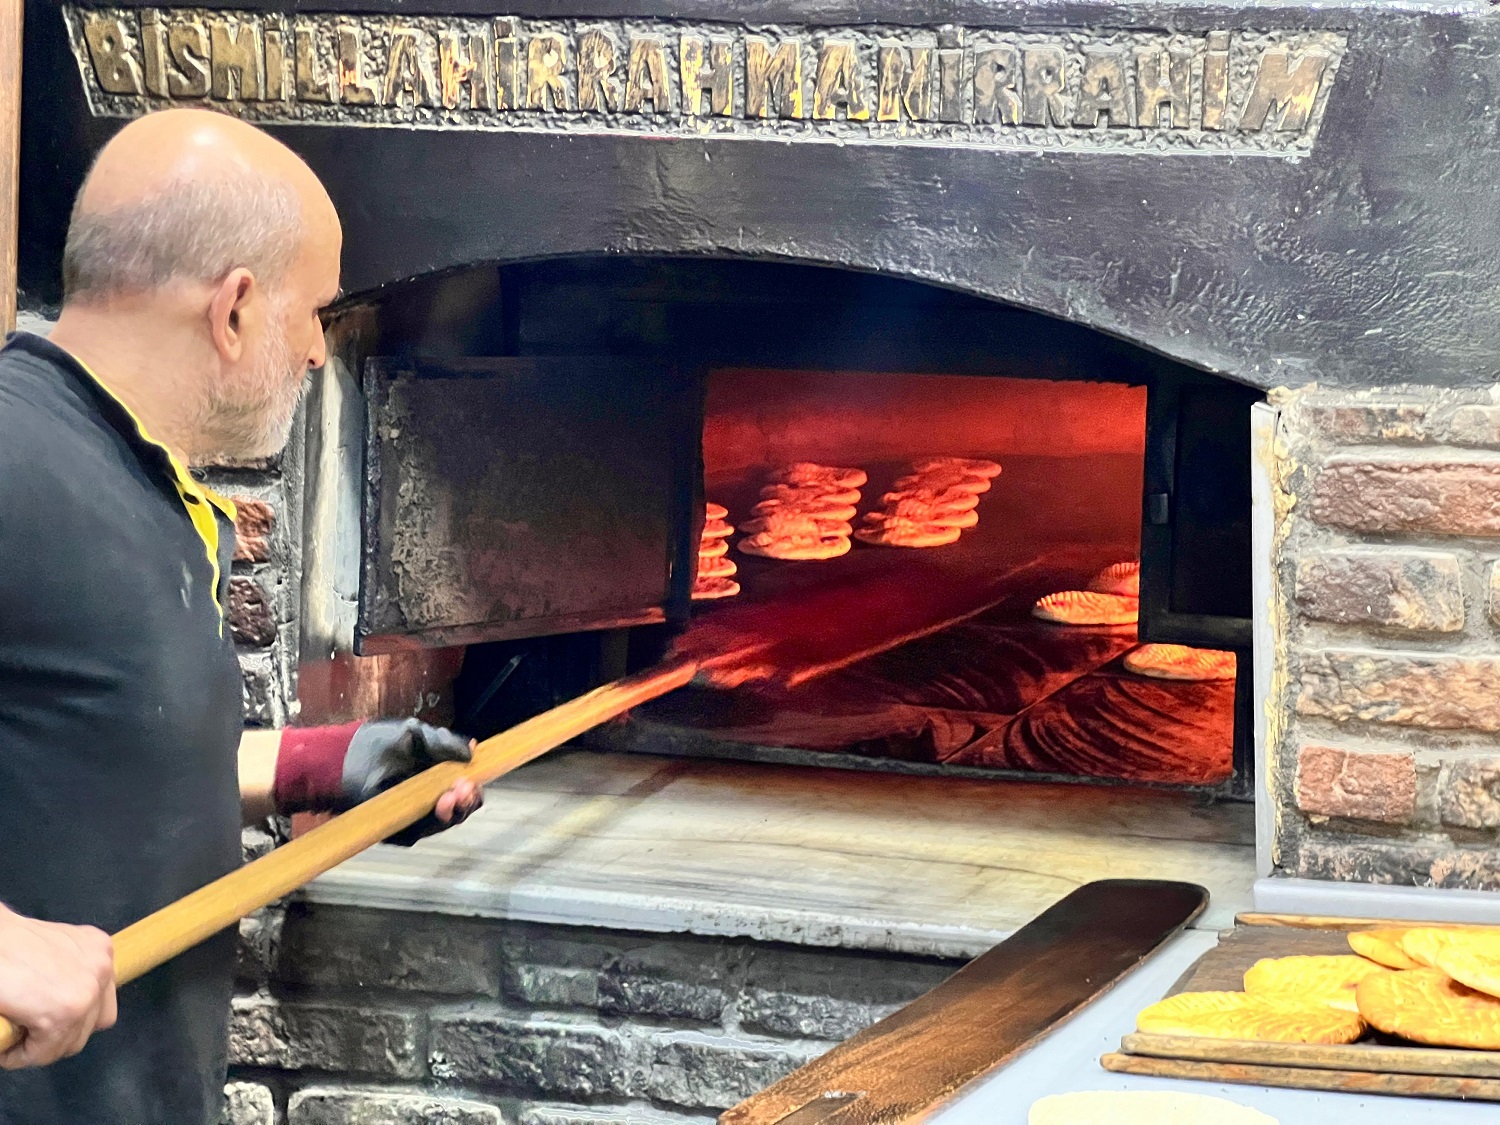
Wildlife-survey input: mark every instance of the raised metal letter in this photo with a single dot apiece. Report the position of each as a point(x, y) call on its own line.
point(115, 65)
point(905, 82)
point(839, 83)
point(773, 82)
point(646, 77)
point(1283, 95)
point(712, 75)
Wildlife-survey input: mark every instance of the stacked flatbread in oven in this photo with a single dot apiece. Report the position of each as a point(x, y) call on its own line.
point(716, 569)
point(1112, 597)
point(932, 505)
point(804, 512)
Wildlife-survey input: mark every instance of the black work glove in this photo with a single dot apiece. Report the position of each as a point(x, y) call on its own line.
point(320, 768)
point(385, 752)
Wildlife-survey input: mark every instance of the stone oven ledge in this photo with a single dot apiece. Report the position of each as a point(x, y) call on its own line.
point(929, 866)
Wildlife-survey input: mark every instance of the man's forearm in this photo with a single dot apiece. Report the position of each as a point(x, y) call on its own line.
point(258, 751)
point(328, 768)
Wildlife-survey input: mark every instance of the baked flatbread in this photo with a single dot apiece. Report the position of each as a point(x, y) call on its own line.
point(713, 548)
point(1471, 957)
point(767, 546)
point(805, 473)
point(959, 482)
point(706, 589)
point(787, 522)
point(969, 466)
point(1084, 607)
point(712, 511)
point(721, 567)
point(1327, 979)
point(914, 511)
point(936, 499)
point(819, 509)
point(1119, 578)
point(1383, 946)
point(1423, 944)
point(1179, 662)
point(810, 494)
point(1238, 1015)
point(895, 532)
point(717, 529)
point(1425, 1006)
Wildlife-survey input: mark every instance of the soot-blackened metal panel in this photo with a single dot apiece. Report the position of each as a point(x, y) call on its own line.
point(517, 497)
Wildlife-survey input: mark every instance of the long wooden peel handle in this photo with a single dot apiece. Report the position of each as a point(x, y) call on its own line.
point(11, 12)
point(181, 925)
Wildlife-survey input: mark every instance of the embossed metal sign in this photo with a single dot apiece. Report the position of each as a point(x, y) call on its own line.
point(1246, 92)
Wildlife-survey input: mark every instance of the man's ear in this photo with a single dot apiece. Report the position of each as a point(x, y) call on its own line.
point(228, 310)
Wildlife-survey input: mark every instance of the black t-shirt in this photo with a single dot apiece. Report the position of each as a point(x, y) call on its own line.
point(120, 716)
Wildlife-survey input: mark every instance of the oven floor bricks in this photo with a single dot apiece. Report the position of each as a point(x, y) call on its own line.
point(1386, 698)
point(352, 1016)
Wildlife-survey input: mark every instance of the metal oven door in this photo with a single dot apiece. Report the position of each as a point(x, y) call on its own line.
point(519, 497)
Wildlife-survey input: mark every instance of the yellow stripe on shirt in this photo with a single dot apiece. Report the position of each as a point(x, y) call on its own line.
point(198, 500)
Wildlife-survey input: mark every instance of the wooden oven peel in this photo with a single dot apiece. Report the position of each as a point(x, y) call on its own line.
point(11, 12)
point(181, 925)
point(910, 1064)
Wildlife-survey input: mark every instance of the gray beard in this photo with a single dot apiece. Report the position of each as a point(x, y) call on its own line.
point(252, 416)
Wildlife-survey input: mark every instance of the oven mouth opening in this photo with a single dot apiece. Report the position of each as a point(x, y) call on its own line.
point(936, 654)
point(885, 656)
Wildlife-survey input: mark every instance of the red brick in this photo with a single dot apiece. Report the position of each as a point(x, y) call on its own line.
point(1359, 784)
point(1396, 495)
point(1418, 590)
point(250, 618)
point(1404, 689)
point(1370, 421)
point(252, 530)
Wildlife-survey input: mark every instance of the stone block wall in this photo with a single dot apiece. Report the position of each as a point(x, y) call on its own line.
point(351, 1016)
point(1386, 699)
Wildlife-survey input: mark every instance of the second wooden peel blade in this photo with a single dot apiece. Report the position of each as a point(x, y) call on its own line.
point(907, 1066)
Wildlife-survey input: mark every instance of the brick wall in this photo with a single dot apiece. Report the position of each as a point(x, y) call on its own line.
point(350, 1016)
point(264, 586)
point(1387, 694)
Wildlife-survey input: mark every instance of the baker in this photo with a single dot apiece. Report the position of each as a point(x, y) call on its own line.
point(198, 259)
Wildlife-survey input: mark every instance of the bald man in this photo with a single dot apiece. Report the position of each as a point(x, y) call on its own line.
point(200, 255)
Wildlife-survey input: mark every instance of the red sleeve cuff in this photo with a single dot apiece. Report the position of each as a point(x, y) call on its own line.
point(310, 767)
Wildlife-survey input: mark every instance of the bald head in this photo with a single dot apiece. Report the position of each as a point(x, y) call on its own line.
point(199, 258)
point(190, 195)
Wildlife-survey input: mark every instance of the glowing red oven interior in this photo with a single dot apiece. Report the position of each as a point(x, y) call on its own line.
point(935, 653)
point(555, 509)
